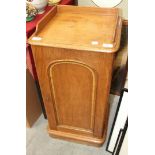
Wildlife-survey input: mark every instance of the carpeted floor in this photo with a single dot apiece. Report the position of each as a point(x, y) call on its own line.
point(38, 141)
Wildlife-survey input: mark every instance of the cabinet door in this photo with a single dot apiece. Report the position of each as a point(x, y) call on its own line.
point(75, 87)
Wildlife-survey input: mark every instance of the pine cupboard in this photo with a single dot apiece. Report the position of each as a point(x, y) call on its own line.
point(74, 49)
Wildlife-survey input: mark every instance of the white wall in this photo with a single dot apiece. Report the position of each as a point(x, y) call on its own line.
point(123, 5)
point(85, 3)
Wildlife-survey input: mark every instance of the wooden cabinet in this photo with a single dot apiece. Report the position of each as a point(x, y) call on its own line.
point(120, 66)
point(74, 49)
point(33, 105)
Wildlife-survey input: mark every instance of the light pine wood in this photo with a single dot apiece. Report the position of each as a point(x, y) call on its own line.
point(75, 81)
point(33, 106)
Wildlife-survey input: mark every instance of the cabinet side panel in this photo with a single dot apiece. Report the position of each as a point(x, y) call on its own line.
point(105, 65)
point(39, 56)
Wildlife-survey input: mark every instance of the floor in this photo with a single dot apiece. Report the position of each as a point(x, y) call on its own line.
point(38, 141)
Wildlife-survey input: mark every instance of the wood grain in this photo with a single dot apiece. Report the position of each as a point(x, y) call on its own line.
point(82, 26)
point(101, 63)
point(45, 19)
point(74, 75)
point(33, 106)
point(77, 138)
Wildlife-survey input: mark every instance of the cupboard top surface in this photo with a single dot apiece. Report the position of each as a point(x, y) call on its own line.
point(82, 28)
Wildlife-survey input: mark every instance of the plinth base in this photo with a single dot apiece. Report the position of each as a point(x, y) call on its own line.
point(76, 138)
